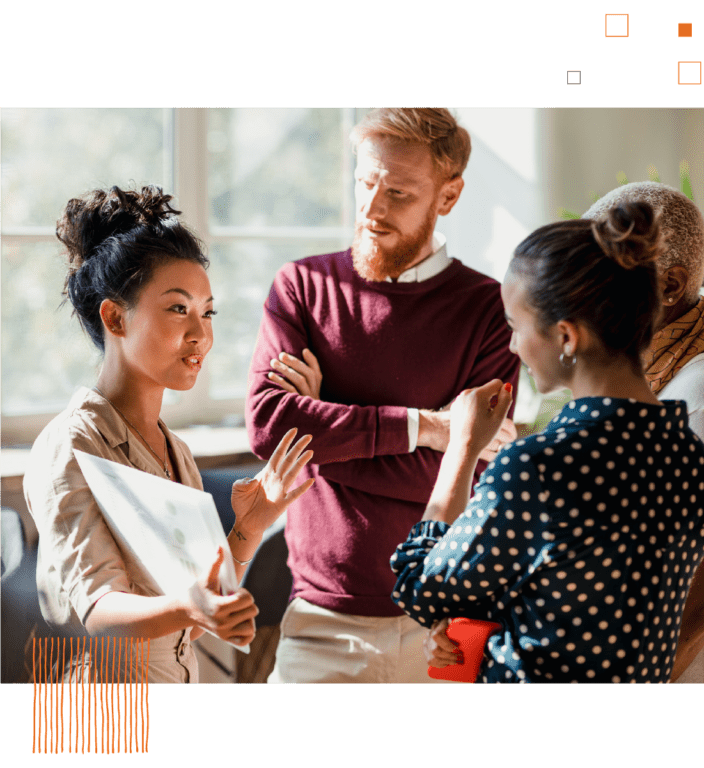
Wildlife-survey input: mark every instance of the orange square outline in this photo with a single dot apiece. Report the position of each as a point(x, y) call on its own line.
point(684, 29)
point(628, 28)
point(689, 62)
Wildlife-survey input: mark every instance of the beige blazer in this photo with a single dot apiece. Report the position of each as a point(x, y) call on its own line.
point(79, 561)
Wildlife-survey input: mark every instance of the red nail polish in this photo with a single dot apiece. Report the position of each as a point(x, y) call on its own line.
point(508, 386)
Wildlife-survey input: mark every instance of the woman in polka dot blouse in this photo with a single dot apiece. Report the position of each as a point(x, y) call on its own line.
point(581, 542)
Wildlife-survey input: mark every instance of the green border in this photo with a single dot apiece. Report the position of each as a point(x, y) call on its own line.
point(82, 53)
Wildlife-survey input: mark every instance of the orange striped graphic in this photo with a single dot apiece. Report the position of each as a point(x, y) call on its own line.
point(95, 664)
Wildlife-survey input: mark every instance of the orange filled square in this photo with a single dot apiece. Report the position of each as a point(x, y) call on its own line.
point(684, 30)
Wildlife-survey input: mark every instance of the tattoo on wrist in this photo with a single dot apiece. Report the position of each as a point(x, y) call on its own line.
point(240, 536)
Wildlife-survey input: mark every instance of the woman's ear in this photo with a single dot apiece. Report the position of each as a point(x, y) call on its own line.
point(570, 335)
point(112, 315)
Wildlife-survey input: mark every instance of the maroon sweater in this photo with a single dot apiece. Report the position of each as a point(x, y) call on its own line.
point(382, 347)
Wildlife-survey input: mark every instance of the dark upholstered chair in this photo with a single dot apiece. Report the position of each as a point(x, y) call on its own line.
point(20, 605)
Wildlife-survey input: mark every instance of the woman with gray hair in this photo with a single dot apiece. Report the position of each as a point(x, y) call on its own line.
point(674, 360)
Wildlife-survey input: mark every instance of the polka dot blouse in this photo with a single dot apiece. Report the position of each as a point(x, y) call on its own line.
point(580, 541)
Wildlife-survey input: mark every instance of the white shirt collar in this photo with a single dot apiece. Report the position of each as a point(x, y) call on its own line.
point(430, 266)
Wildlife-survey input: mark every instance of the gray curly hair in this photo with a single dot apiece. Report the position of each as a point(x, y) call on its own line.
point(682, 224)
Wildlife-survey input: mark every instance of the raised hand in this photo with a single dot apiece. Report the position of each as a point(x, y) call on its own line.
point(434, 429)
point(259, 501)
point(302, 377)
point(477, 415)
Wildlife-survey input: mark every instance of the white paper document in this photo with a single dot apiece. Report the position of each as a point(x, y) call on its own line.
point(174, 531)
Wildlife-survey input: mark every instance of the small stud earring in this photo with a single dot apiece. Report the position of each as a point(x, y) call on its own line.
point(670, 299)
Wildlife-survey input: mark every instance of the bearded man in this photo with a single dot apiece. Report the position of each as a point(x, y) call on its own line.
point(363, 349)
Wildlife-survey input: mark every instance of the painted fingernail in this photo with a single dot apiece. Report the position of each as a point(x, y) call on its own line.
point(282, 355)
point(508, 386)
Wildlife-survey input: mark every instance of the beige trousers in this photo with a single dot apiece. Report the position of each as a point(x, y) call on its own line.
point(322, 646)
point(694, 672)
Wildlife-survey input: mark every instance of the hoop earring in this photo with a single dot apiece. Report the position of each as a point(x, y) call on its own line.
point(567, 357)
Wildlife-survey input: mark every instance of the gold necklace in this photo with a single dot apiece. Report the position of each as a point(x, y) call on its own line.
point(163, 461)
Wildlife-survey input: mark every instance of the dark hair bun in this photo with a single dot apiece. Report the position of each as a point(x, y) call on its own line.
point(630, 234)
point(602, 273)
point(115, 239)
point(89, 221)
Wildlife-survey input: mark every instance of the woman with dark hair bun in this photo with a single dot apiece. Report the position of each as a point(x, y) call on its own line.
point(137, 281)
point(580, 542)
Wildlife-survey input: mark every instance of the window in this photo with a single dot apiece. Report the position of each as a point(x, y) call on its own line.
point(280, 187)
point(260, 187)
point(48, 156)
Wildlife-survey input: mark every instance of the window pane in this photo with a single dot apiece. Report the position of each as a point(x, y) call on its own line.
point(241, 274)
point(51, 155)
point(45, 354)
point(278, 167)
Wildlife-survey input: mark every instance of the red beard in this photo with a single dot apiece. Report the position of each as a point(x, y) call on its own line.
point(375, 262)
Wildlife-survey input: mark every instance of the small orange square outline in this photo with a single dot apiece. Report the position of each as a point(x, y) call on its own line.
point(684, 30)
point(606, 16)
point(689, 62)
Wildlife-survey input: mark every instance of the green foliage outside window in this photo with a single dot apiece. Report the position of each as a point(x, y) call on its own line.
point(653, 175)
